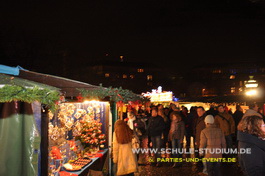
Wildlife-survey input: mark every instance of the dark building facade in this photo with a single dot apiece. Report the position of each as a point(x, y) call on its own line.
point(136, 76)
point(223, 79)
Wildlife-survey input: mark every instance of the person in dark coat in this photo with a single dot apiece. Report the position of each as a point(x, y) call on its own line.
point(199, 124)
point(237, 115)
point(187, 118)
point(251, 136)
point(176, 135)
point(155, 128)
point(212, 111)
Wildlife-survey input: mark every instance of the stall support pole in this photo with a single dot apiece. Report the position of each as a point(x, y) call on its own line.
point(114, 112)
point(44, 143)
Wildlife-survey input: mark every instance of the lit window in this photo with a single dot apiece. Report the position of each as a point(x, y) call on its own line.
point(262, 69)
point(149, 77)
point(232, 76)
point(140, 70)
point(233, 90)
point(106, 75)
point(131, 76)
point(124, 76)
point(217, 71)
point(150, 84)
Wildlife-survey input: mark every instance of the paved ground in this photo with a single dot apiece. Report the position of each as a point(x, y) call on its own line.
point(187, 168)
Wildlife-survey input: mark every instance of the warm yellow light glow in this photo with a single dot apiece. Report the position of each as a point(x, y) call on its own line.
point(124, 76)
point(167, 96)
point(91, 101)
point(140, 70)
point(251, 92)
point(157, 95)
point(232, 76)
point(251, 85)
point(149, 77)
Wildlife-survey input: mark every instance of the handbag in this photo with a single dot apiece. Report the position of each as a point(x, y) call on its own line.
point(135, 142)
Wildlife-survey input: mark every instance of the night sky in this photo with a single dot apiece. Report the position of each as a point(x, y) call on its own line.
point(165, 32)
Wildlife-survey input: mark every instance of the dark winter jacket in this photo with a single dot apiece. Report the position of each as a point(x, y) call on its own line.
point(188, 123)
point(237, 117)
point(156, 125)
point(199, 126)
point(177, 130)
point(139, 126)
point(252, 164)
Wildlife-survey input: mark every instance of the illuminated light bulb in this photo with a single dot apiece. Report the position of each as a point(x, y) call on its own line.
point(251, 92)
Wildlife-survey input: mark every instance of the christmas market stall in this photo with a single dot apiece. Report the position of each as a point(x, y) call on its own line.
point(71, 124)
point(21, 102)
point(82, 123)
point(77, 133)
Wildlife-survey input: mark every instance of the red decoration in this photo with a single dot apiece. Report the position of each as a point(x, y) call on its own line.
point(56, 153)
point(79, 98)
point(62, 98)
point(129, 107)
point(72, 145)
point(120, 104)
point(64, 173)
point(120, 96)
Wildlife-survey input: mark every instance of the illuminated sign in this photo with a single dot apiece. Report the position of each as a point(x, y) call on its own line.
point(158, 95)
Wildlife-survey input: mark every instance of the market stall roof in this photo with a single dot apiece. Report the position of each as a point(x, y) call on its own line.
point(67, 86)
point(11, 80)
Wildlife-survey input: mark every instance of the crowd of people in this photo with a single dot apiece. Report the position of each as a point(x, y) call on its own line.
point(166, 127)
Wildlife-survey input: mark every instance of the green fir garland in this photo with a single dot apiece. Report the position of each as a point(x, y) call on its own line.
point(114, 94)
point(10, 93)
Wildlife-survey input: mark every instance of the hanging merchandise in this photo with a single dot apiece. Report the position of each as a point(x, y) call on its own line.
point(78, 133)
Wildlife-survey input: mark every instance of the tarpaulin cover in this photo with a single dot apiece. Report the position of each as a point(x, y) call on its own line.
point(10, 70)
point(19, 139)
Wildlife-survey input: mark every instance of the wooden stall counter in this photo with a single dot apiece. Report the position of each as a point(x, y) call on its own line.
point(96, 163)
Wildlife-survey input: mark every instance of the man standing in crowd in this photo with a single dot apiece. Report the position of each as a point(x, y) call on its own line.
point(237, 115)
point(199, 126)
point(226, 122)
point(155, 128)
